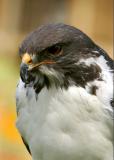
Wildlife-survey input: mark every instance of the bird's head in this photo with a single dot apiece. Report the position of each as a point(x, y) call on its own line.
point(51, 56)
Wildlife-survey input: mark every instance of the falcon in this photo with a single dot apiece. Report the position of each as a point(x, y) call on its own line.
point(64, 97)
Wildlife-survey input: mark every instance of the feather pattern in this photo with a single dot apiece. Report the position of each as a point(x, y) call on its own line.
point(65, 108)
point(65, 124)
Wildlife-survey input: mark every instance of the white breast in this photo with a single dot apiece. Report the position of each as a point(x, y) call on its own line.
point(64, 124)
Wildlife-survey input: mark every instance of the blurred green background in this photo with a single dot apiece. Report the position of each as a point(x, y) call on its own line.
point(17, 18)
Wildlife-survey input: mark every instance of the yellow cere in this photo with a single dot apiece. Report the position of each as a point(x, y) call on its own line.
point(26, 58)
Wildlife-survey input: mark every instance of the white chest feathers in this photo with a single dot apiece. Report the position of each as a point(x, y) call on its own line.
point(64, 124)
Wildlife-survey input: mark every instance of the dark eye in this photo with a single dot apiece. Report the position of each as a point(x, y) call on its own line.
point(55, 49)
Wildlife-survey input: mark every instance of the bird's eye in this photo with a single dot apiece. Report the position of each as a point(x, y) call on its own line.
point(55, 49)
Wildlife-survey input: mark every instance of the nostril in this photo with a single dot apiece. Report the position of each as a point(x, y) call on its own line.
point(30, 61)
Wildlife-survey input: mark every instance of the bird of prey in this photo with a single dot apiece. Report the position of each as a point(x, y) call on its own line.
point(64, 97)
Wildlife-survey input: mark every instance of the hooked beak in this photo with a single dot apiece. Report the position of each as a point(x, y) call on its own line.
point(26, 76)
point(27, 66)
point(26, 59)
